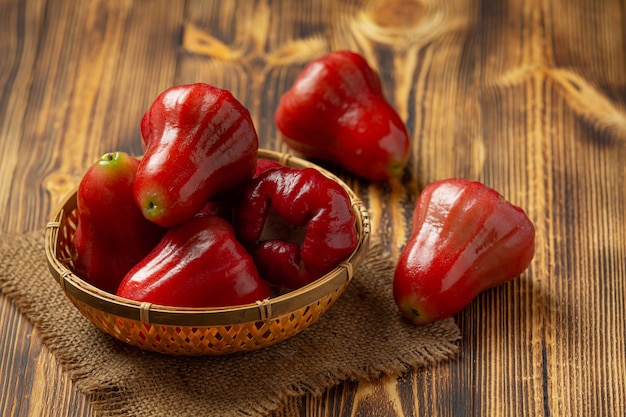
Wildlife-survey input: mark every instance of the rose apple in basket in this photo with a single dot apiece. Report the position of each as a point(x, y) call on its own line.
point(198, 263)
point(466, 238)
point(111, 235)
point(200, 143)
point(297, 223)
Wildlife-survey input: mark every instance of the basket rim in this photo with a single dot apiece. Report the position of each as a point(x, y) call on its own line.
point(264, 310)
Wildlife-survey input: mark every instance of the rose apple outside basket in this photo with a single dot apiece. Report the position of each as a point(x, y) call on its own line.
point(210, 331)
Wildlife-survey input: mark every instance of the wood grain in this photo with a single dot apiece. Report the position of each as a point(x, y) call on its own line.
point(526, 96)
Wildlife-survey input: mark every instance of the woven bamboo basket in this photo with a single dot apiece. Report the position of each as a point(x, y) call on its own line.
point(210, 331)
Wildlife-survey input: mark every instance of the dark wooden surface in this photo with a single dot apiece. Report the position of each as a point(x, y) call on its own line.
point(526, 96)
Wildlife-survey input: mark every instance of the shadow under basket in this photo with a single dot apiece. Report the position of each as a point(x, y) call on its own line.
point(210, 331)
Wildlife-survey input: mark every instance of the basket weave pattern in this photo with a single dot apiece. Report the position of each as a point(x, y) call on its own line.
point(188, 340)
point(212, 331)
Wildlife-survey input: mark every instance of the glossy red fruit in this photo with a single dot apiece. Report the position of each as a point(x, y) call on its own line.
point(112, 235)
point(466, 238)
point(297, 223)
point(336, 111)
point(198, 263)
point(200, 144)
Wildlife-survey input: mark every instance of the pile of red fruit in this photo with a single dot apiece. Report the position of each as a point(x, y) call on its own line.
point(201, 221)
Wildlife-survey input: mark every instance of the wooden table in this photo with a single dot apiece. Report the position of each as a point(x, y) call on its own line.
point(528, 97)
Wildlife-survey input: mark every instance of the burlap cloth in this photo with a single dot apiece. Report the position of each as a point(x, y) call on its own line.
point(361, 337)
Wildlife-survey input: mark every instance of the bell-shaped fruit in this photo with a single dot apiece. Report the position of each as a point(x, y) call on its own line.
point(297, 223)
point(111, 235)
point(336, 111)
point(198, 263)
point(200, 143)
point(466, 238)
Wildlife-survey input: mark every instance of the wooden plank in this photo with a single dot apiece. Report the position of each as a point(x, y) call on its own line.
point(525, 96)
point(254, 49)
point(52, 392)
point(13, 360)
point(79, 64)
point(537, 133)
point(16, 76)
